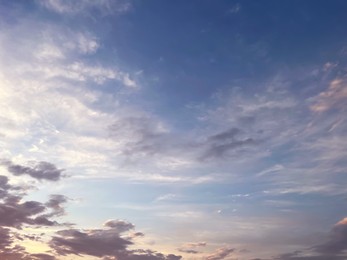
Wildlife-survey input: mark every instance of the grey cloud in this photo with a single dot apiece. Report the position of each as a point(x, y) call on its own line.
point(16, 252)
point(107, 243)
point(141, 135)
point(219, 145)
point(146, 136)
point(119, 225)
point(337, 242)
point(43, 257)
point(39, 170)
point(4, 186)
point(188, 251)
point(313, 257)
point(220, 253)
point(333, 249)
point(96, 242)
point(55, 203)
point(14, 212)
point(226, 135)
point(137, 234)
point(5, 238)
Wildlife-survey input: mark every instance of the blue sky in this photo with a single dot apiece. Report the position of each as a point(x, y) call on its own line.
point(164, 130)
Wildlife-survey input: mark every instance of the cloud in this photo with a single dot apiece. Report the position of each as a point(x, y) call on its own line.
point(43, 257)
point(337, 242)
point(146, 136)
point(221, 150)
point(188, 251)
point(14, 214)
point(220, 253)
point(235, 9)
point(218, 146)
point(334, 97)
point(37, 170)
point(140, 135)
point(55, 203)
point(333, 249)
point(191, 248)
point(108, 242)
point(119, 225)
point(71, 7)
point(95, 242)
point(296, 256)
point(196, 244)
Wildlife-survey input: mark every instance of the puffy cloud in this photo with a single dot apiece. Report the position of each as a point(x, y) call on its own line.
point(108, 243)
point(36, 170)
point(119, 225)
point(8, 252)
point(96, 242)
point(55, 203)
point(14, 212)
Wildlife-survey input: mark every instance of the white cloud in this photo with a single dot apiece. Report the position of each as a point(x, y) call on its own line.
point(71, 7)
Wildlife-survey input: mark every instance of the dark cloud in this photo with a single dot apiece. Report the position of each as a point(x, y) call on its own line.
point(5, 238)
point(337, 242)
point(333, 249)
point(4, 187)
point(43, 257)
point(96, 242)
point(55, 203)
point(290, 256)
point(119, 226)
point(188, 251)
point(16, 252)
point(108, 242)
point(219, 145)
point(137, 234)
point(37, 170)
point(220, 150)
point(141, 135)
point(226, 135)
point(15, 213)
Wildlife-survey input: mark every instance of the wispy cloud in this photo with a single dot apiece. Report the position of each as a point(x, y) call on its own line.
point(82, 7)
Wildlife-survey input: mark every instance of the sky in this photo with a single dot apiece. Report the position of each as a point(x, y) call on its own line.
point(168, 130)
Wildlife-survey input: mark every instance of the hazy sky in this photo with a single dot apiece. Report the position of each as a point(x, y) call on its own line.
point(173, 129)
